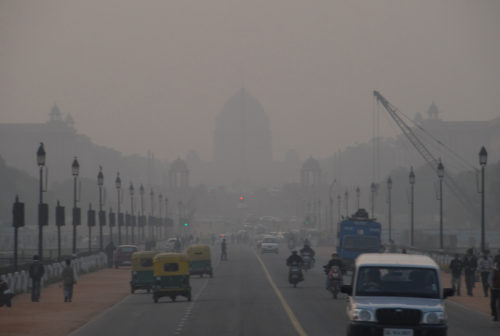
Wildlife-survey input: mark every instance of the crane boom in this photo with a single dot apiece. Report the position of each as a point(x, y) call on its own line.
point(427, 155)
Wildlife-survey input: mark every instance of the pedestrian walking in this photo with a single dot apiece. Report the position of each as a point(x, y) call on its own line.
point(68, 279)
point(494, 282)
point(36, 273)
point(470, 267)
point(484, 266)
point(456, 267)
point(496, 259)
point(110, 249)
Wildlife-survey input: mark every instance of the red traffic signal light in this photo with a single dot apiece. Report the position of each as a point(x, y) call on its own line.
point(242, 198)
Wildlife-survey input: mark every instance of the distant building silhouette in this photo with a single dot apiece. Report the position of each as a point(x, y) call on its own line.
point(242, 142)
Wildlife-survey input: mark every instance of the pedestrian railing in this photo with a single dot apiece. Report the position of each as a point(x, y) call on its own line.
point(19, 282)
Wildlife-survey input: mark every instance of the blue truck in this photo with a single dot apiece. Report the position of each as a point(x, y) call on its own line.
point(356, 235)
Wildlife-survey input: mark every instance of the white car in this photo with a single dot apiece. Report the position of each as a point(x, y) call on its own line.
point(396, 294)
point(269, 245)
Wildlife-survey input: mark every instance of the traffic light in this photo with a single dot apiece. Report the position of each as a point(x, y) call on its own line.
point(242, 198)
point(18, 214)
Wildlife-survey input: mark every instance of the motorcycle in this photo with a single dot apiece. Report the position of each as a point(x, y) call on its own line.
point(308, 261)
point(335, 280)
point(295, 274)
point(5, 294)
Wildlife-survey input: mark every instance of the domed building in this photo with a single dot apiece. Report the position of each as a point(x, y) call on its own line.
point(242, 142)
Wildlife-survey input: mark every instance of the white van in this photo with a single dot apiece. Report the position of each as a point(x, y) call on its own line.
point(396, 295)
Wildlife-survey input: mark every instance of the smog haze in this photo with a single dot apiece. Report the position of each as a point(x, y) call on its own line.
point(154, 75)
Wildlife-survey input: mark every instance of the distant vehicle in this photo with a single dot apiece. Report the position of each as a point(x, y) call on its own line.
point(170, 245)
point(269, 244)
point(123, 255)
point(358, 234)
point(396, 294)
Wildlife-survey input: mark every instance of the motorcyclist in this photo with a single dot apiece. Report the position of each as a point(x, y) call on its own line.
point(291, 260)
point(334, 261)
point(307, 250)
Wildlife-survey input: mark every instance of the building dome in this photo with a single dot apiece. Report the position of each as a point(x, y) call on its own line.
point(178, 166)
point(242, 140)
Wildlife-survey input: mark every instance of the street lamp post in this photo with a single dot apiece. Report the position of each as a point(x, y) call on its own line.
point(160, 206)
point(151, 225)
point(389, 202)
point(131, 190)
point(358, 194)
point(412, 216)
point(141, 228)
point(75, 169)
point(42, 212)
point(373, 190)
point(346, 195)
point(339, 205)
point(118, 185)
point(440, 173)
point(330, 195)
point(100, 182)
point(166, 217)
point(483, 158)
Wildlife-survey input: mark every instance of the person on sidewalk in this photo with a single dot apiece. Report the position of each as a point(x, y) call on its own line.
point(496, 259)
point(36, 273)
point(470, 266)
point(494, 282)
point(68, 279)
point(484, 266)
point(456, 267)
point(110, 250)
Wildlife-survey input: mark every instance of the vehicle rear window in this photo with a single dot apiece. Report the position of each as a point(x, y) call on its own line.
point(397, 281)
point(147, 262)
point(269, 240)
point(128, 249)
point(171, 267)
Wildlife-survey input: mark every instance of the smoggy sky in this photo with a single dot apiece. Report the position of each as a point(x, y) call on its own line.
point(139, 75)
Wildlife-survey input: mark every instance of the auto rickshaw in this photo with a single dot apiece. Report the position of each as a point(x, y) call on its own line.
point(199, 260)
point(142, 271)
point(171, 274)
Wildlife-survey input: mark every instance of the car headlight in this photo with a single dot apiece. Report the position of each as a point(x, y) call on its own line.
point(364, 315)
point(438, 317)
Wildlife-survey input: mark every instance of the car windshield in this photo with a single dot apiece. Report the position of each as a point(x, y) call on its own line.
point(361, 242)
point(397, 281)
point(269, 240)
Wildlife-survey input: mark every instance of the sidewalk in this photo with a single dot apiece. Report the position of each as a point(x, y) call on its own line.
point(93, 293)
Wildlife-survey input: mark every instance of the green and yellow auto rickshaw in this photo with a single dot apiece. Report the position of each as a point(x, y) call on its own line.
point(171, 274)
point(200, 261)
point(142, 271)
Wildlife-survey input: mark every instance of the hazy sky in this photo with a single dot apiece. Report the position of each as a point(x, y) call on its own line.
point(139, 75)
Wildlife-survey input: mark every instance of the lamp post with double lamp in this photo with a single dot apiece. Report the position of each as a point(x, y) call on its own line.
point(483, 158)
point(412, 205)
point(43, 211)
point(118, 185)
point(131, 190)
point(339, 205)
point(389, 203)
point(100, 182)
point(75, 170)
point(330, 196)
point(440, 173)
point(141, 227)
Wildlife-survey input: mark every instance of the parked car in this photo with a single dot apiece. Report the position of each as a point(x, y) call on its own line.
point(396, 294)
point(123, 255)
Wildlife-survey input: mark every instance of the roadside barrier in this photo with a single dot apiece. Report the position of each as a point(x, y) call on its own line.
point(20, 282)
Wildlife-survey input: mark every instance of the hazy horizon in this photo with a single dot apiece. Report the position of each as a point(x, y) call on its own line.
point(153, 75)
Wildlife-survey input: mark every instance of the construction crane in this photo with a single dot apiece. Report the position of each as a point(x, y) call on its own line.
point(432, 161)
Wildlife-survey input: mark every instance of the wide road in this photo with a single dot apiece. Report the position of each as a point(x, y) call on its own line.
point(249, 295)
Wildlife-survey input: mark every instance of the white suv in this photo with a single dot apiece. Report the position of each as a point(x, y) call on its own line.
point(396, 294)
point(269, 244)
